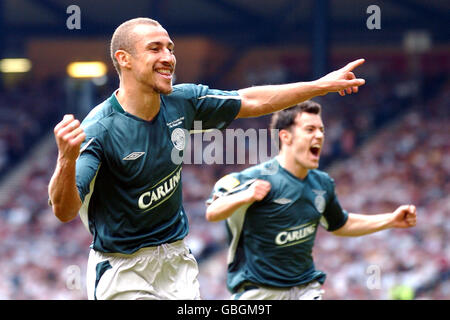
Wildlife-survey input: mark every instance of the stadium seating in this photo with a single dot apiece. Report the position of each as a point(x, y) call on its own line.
point(382, 148)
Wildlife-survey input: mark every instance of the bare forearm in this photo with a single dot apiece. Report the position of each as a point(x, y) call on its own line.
point(63, 192)
point(261, 100)
point(362, 224)
point(224, 207)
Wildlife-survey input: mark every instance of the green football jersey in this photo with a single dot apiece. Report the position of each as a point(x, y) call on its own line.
point(271, 241)
point(126, 175)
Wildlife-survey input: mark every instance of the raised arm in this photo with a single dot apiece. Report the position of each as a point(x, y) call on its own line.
point(260, 100)
point(62, 189)
point(223, 207)
point(361, 224)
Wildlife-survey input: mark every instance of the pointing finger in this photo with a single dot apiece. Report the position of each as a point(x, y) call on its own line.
point(352, 65)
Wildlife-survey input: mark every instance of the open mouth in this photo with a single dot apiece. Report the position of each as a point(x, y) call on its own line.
point(315, 150)
point(166, 73)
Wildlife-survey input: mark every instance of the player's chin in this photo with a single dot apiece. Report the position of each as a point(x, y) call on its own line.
point(314, 163)
point(164, 89)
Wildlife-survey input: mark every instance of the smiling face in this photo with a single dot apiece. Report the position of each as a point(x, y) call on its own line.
point(151, 61)
point(302, 142)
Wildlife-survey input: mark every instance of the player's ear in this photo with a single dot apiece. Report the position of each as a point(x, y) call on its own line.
point(285, 136)
point(123, 58)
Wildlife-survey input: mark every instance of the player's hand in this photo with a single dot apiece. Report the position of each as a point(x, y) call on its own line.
point(258, 190)
point(342, 80)
point(405, 216)
point(69, 135)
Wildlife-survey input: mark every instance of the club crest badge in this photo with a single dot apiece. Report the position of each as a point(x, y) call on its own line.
point(319, 200)
point(178, 138)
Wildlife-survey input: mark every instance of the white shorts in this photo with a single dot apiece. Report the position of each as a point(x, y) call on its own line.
point(165, 272)
point(310, 291)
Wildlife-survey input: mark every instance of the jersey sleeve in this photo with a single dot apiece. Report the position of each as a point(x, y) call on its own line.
point(214, 108)
point(229, 184)
point(334, 217)
point(88, 163)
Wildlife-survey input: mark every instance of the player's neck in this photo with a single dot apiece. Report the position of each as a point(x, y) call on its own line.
point(138, 102)
point(290, 165)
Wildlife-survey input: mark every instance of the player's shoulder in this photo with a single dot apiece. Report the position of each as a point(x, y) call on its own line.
point(99, 112)
point(319, 173)
point(322, 177)
point(187, 90)
point(182, 96)
point(236, 179)
point(264, 171)
point(97, 119)
point(198, 91)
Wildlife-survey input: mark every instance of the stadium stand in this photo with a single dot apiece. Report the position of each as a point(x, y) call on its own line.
point(404, 159)
point(388, 151)
point(26, 112)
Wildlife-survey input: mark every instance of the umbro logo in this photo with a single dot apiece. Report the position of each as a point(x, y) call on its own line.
point(134, 155)
point(282, 201)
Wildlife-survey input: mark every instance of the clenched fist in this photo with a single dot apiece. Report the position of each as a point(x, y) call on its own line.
point(258, 190)
point(69, 135)
point(405, 216)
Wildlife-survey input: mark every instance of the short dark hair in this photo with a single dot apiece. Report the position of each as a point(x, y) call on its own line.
point(123, 39)
point(284, 119)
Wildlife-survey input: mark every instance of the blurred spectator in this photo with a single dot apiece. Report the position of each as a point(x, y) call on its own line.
point(407, 161)
point(390, 152)
point(26, 113)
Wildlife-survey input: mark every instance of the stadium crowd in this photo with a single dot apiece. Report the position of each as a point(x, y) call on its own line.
point(406, 160)
point(381, 154)
point(27, 110)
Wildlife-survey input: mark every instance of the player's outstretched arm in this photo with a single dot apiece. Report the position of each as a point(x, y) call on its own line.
point(260, 100)
point(223, 207)
point(62, 189)
point(404, 216)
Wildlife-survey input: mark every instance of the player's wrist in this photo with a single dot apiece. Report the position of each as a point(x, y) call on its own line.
point(319, 87)
point(66, 165)
point(67, 160)
point(390, 221)
point(247, 197)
